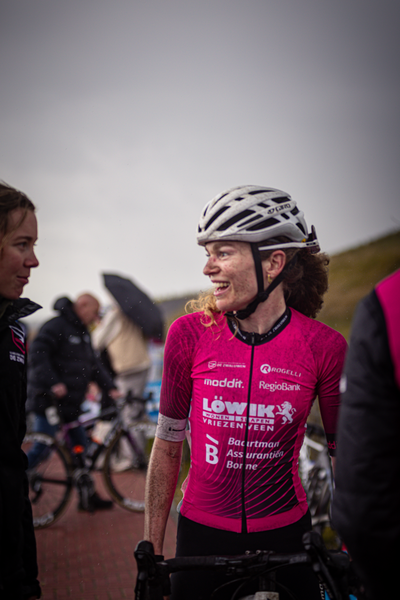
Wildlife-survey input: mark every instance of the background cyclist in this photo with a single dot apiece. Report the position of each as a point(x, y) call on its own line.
point(244, 371)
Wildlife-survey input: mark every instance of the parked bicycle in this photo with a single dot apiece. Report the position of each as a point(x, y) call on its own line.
point(333, 569)
point(62, 466)
point(316, 475)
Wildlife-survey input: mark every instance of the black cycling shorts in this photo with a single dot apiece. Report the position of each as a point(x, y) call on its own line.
point(194, 539)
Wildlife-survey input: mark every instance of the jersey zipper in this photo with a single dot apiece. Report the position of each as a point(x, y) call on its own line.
point(244, 519)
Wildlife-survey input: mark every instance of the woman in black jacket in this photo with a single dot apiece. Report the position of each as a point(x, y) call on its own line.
point(18, 234)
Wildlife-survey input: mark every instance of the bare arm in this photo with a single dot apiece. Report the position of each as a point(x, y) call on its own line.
point(161, 482)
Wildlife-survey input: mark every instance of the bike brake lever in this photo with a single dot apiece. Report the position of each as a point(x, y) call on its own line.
point(153, 579)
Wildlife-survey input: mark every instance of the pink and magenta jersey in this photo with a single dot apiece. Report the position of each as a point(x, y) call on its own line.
point(247, 402)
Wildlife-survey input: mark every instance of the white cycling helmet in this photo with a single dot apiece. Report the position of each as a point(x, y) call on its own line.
point(255, 214)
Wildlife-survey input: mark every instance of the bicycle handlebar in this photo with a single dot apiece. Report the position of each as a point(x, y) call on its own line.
point(333, 569)
point(89, 420)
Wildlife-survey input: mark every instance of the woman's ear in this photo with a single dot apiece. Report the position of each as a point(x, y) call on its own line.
point(274, 264)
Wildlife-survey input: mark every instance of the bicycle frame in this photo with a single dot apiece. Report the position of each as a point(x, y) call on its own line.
point(63, 465)
point(90, 457)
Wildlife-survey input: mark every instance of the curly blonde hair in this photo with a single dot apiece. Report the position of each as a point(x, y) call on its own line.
point(206, 304)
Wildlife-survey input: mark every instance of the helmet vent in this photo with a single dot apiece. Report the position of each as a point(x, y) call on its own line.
point(299, 225)
point(262, 191)
point(222, 196)
point(295, 211)
point(255, 218)
point(281, 200)
point(263, 224)
point(235, 219)
point(215, 216)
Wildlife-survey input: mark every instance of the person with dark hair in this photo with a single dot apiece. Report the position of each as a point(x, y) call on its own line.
point(367, 495)
point(243, 372)
point(62, 363)
point(18, 235)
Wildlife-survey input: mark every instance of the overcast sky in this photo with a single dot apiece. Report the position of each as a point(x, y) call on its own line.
point(121, 119)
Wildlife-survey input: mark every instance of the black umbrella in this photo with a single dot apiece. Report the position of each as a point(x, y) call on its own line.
point(136, 305)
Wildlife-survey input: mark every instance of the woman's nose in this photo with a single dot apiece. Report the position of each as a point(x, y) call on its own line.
point(32, 261)
point(209, 267)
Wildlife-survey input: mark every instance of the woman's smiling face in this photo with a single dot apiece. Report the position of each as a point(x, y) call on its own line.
point(230, 267)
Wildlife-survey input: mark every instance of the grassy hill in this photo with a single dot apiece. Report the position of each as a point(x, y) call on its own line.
point(353, 274)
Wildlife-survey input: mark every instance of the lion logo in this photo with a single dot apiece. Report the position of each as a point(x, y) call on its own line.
point(286, 411)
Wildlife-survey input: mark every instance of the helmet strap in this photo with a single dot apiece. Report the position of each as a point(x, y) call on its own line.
point(262, 294)
point(258, 264)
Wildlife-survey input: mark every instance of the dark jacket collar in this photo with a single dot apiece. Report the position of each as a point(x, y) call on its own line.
point(17, 309)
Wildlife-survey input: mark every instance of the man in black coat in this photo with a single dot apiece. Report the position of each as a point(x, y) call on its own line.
point(18, 234)
point(62, 363)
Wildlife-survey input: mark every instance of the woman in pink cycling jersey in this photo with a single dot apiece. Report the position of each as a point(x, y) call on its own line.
point(240, 376)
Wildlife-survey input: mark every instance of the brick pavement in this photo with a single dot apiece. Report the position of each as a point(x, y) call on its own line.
point(90, 557)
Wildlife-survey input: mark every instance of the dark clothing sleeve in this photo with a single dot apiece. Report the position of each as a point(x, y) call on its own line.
point(43, 352)
point(367, 498)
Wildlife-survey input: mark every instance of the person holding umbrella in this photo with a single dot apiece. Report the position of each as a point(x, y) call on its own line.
point(122, 334)
point(122, 345)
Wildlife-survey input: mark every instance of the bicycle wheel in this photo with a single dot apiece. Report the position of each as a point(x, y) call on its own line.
point(50, 481)
point(125, 468)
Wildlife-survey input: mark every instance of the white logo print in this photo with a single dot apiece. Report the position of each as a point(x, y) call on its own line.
point(212, 451)
point(281, 207)
point(286, 410)
point(231, 383)
point(233, 365)
point(268, 369)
